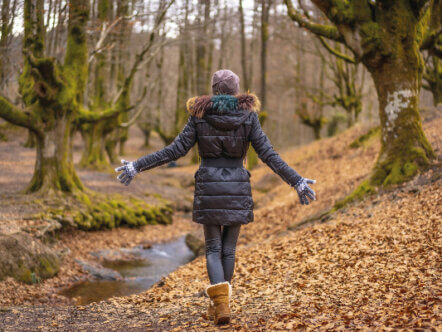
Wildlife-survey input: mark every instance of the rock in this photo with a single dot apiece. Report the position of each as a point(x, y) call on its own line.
point(195, 242)
point(98, 271)
point(26, 259)
point(146, 245)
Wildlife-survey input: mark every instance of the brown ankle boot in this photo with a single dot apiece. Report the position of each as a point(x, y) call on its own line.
point(219, 295)
point(211, 311)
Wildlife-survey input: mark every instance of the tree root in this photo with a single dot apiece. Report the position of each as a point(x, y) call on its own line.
point(363, 139)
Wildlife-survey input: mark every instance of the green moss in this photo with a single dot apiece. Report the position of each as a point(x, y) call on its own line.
point(25, 276)
point(400, 167)
point(363, 139)
point(341, 12)
point(372, 39)
point(117, 211)
point(364, 189)
point(47, 268)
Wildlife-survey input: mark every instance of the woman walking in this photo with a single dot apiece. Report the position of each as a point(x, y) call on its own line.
point(223, 125)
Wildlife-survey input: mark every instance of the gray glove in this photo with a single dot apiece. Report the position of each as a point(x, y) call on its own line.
point(304, 191)
point(128, 174)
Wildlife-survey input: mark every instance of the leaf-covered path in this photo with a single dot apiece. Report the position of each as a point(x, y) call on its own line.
point(374, 265)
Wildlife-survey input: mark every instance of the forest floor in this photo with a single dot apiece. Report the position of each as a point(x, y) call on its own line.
point(374, 264)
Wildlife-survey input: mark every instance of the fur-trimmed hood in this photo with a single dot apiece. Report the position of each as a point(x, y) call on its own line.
point(224, 112)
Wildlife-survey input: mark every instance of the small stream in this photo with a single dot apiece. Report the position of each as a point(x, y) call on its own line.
point(150, 266)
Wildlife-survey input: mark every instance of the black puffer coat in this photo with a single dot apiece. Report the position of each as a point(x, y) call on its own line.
point(223, 126)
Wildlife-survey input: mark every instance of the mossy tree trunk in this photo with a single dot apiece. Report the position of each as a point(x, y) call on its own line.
point(120, 135)
point(386, 37)
point(107, 120)
point(404, 147)
point(184, 84)
point(433, 78)
point(54, 171)
point(8, 12)
point(433, 46)
point(53, 95)
point(93, 155)
point(398, 78)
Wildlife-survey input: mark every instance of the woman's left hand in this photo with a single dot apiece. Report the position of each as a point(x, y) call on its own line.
point(128, 174)
point(304, 191)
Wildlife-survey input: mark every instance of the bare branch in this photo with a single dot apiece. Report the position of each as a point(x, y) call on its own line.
point(103, 35)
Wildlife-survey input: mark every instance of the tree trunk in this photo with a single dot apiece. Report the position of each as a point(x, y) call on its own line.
point(53, 170)
point(30, 141)
point(404, 147)
point(93, 155)
point(265, 9)
point(4, 38)
point(243, 48)
point(93, 152)
point(349, 118)
point(120, 135)
point(317, 131)
point(146, 133)
point(434, 80)
point(111, 147)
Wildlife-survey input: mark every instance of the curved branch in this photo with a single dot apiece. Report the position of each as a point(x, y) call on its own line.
point(16, 116)
point(336, 53)
point(86, 116)
point(327, 31)
point(137, 115)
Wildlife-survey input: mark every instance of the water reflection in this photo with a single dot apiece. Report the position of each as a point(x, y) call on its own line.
point(153, 263)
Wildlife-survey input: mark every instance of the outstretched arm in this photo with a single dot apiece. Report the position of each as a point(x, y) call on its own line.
point(268, 155)
point(185, 140)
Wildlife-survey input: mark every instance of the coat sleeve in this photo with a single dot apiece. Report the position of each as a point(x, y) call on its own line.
point(268, 155)
point(185, 140)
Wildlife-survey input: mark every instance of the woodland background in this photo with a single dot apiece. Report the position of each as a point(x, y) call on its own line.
point(350, 94)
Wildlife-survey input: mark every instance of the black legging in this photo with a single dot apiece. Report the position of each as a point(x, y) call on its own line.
point(220, 252)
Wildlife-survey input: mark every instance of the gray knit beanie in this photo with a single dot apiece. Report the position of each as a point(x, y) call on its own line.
point(225, 82)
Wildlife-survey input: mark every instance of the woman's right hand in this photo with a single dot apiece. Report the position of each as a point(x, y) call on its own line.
point(128, 174)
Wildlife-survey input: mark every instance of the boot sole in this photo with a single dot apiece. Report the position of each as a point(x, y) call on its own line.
point(223, 320)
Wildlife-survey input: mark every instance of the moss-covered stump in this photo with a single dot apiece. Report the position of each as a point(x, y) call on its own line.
point(26, 259)
point(100, 211)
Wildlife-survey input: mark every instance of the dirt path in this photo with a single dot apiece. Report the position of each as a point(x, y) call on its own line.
point(373, 265)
